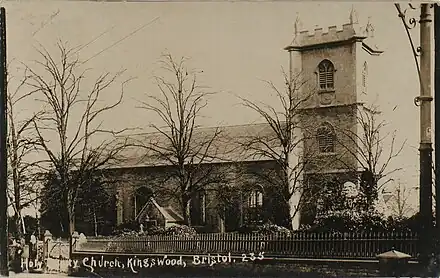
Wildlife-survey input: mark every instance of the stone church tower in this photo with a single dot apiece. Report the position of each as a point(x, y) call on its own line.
point(334, 63)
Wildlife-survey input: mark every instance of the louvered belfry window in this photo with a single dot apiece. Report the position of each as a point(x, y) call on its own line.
point(326, 139)
point(326, 75)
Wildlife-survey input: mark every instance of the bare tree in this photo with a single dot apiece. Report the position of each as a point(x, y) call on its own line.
point(285, 143)
point(366, 144)
point(180, 143)
point(398, 200)
point(69, 130)
point(21, 143)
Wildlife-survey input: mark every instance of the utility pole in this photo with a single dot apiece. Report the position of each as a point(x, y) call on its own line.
point(4, 270)
point(437, 112)
point(424, 101)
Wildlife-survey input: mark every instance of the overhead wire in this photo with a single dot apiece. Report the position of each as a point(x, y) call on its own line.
point(122, 39)
point(94, 39)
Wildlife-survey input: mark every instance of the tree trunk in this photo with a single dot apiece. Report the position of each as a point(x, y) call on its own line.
point(95, 222)
point(17, 223)
point(71, 224)
point(294, 210)
point(18, 219)
point(23, 224)
point(221, 222)
point(38, 225)
point(71, 221)
point(294, 192)
point(71, 229)
point(186, 201)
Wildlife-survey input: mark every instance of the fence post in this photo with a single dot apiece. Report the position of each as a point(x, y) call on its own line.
point(47, 239)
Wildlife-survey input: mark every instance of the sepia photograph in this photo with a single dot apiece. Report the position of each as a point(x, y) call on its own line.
point(219, 138)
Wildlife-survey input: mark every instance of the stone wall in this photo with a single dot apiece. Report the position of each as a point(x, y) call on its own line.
point(161, 181)
point(343, 121)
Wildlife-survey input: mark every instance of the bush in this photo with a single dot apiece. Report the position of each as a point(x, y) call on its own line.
point(368, 222)
point(180, 230)
point(203, 229)
point(410, 224)
point(334, 223)
point(265, 229)
point(372, 223)
point(155, 230)
point(131, 228)
point(248, 229)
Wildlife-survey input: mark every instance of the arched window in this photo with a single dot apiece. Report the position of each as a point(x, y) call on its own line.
point(198, 208)
point(326, 75)
point(255, 199)
point(254, 210)
point(364, 77)
point(326, 138)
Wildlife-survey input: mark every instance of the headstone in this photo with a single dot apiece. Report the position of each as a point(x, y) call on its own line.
point(33, 239)
point(47, 236)
point(75, 235)
point(82, 238)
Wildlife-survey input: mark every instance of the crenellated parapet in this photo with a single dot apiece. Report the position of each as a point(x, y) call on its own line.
point(331, 34)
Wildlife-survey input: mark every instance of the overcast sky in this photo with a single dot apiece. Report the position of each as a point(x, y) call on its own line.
point(237, 45)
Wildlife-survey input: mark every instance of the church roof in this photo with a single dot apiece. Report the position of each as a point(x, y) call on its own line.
point(229, 145)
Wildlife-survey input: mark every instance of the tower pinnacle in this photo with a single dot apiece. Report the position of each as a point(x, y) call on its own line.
point(296, 24)
point(369, 29)
point(296, 28)
point(353, 16)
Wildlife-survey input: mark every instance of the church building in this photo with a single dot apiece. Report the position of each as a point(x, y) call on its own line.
point(336, 62)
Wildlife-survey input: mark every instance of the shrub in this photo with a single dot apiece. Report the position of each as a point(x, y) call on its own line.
point(334, 223)
point(155, 230)
point(367, 222)
point(248, 229)
point(265, 229)
point(180, 230)
point(203, 229)
point(131, 228)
